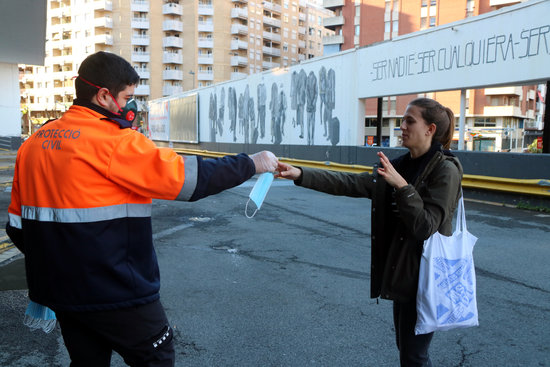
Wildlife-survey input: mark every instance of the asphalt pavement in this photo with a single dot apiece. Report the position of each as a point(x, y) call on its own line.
point(290, 287)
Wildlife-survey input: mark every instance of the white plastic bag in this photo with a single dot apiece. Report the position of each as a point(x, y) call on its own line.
point(446, 297)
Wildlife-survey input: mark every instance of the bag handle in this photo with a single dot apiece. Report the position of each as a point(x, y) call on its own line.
point(461, 215)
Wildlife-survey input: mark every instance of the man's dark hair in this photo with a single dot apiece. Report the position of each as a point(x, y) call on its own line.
point(106, 70)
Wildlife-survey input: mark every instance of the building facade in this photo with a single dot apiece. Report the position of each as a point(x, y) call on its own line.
point(497, 119)
point(174, 45)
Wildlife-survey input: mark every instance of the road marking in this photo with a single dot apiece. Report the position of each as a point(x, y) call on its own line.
point(169, 231)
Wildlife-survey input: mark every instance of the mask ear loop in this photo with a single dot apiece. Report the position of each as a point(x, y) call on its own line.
point(98, 87)
point(246, 210)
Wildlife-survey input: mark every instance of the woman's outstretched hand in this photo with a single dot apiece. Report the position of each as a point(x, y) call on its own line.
point(389, 173)
point(288, 171)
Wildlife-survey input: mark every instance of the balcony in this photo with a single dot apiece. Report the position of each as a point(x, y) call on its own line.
point(139, 6)
point(171, 41)
point(205, 42)
point(141, 57)
point(172, 9)
point(103, 22)
point(205, 59)
point(143, 73)
point(207, 75)
point(140, 23)
point(336, 39)
point(140, 40)
point(241, 13)
point(271, 51)
point(273, 7)
point(172, 74)
point(301, 44)
point(503, 2)
point(506, 111)
point(236, 75)
point(172, 25)
point(239, 61)
point(205, 9)
point(172, 58)
point(142, 90)
point(239, 45)
point(274, 37)
point(302, 30)
point(239, 29)
point(302, 17)
point(105, 39)
point(332, 4)
point(507, 91)
point(272, 22)
point(333, 22)
point(106, 5)
point(270, 65)
point(205, 27)
point(168, 90)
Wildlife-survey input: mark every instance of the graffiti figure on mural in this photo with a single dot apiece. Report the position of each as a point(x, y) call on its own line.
point(232, 105)
point(282, 109)
point(294, 96)
point(311, 92)
point(322, 100)
point(333, 124)
point(246, 112)
point(213, 116)
point(262, 98)
point(221, 111)
point(301, 100)
point(275, 108)
point(252, 118)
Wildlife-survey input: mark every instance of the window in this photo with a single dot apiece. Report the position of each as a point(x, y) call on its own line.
point(432, 21)
point(395, 26)
point(423, 22)
point(433, 2)
point(387, 27)
point(424, 3)
point(485, 122)
point(357, 30)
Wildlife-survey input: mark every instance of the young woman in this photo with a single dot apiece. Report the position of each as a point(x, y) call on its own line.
point(412, 196)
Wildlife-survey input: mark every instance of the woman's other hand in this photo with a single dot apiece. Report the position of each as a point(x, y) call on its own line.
point(389, 173)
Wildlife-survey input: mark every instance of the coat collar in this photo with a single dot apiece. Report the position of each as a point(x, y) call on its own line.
point(109, 116)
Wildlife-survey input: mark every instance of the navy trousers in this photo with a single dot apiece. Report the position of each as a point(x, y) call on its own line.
point(141, 335)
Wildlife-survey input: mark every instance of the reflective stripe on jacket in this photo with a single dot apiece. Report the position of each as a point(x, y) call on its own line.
point(81, 208)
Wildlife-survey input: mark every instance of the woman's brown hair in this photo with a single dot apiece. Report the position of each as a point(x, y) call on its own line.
point(434, 112)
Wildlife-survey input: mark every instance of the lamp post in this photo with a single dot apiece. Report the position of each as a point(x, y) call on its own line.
point(191, 72)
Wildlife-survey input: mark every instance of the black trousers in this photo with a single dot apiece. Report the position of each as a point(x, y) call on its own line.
point(141, 335)
point(413, 349)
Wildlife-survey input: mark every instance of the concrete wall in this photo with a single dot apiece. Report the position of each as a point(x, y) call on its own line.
point(10, 110)
point(507, 165)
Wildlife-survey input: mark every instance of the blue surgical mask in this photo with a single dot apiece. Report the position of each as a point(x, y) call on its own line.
point(259, 191)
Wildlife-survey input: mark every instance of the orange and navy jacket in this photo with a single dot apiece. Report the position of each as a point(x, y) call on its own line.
point(81, 207)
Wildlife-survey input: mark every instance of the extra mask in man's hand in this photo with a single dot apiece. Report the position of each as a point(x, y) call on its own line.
point(259, 191)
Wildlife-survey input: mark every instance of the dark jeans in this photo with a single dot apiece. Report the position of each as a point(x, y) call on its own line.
point(413, 349)
point(141, 335)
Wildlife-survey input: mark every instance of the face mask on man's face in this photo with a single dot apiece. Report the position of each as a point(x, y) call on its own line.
point(129, 111)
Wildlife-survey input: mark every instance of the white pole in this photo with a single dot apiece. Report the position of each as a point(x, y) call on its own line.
point(462, 119)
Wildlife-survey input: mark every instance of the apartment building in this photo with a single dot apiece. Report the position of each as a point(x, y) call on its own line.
point(174, 45)
point(497, 119)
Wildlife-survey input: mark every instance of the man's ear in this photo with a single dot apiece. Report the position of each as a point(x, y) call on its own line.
point(103, 97)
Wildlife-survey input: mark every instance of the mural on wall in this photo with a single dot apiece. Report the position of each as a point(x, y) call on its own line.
point(251, 106)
